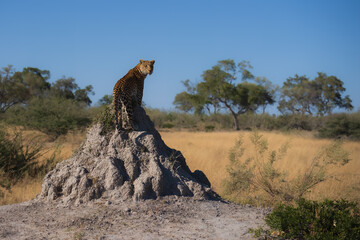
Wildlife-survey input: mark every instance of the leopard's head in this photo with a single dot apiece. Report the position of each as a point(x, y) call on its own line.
point(146, 67)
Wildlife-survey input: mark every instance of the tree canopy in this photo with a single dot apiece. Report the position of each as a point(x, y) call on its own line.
point(219, 90)
point(20, 87)
point(67, 88)
point(300, 95)
point(106, 100)
point(13, 89)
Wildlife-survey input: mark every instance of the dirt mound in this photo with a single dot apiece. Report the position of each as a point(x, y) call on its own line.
point(124, 165)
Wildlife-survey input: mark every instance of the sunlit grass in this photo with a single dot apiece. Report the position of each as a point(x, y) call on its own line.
point(28, 188)
point(209, 153)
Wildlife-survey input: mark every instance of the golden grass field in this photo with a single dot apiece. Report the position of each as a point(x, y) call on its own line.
point(208, 151)
point(28, 188)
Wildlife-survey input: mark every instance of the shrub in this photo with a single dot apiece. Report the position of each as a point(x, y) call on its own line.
point(107, 120)
point(209, 128)
point(16, 157)
point(342, 125)
point(53, 116)
point(316, 220)
point(168, 125)
point(298, 122)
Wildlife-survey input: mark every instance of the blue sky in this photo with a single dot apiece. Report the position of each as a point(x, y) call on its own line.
point(97, 42)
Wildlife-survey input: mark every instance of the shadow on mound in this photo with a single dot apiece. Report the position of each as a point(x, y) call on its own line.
point(124, 165)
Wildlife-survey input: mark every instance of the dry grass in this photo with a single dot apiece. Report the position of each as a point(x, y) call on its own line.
point(209, 153)
point(25, 190)
point(28, 188)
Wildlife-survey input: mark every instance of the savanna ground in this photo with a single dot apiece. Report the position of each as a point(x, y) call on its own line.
point(208, 151)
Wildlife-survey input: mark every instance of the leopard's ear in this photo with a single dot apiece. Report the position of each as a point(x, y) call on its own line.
point(152, 61)
point(141, 61)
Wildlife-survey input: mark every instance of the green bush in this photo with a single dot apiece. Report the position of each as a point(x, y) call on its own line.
point(209, 128)
point(342, 125)
point(316, 220)
point(298, 122)
point(107, 119)
point(53, 116)
point(168, 125)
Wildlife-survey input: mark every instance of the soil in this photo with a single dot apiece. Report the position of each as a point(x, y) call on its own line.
point(170, 217)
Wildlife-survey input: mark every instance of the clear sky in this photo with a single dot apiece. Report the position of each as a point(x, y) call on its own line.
point(97, 42)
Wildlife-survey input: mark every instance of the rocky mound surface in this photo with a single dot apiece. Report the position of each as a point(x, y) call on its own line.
point(124, 165)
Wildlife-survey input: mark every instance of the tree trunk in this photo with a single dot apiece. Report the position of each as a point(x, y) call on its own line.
point(236, 122)
point(235, 115)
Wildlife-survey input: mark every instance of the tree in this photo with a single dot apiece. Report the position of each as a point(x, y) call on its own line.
point(67, 88)
point(300, 95)
point(219, 90)
point(36, 80)
point(20, 87)
point(273, 89)
point(82, 95)
point(12, 89)
point(64, 88)
point(328, 94)
point(190, 100)
point(296, 96)
point(183, 101)
point(106, 100)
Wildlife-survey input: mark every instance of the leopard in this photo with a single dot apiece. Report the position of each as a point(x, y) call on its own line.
point(128, 94)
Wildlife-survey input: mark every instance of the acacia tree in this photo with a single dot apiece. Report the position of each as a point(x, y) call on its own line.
point(219, 90)
point(67, 88)
point(273, 89)
point(329, 90)
point(36, 80)
point(19, 87)
point(13, 90)
point(300, 95)
point(107, 99)
point(296, 96)
point(188, 100)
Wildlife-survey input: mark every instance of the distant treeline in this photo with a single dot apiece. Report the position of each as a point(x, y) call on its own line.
point(339, 125)
point(232, 87)
point(28, 99)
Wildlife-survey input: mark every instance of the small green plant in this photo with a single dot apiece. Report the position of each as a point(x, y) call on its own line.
point(258, 232)
point(175, 164)
point(107, 120)
point(143, 149)
point(316, 220)
point(79, 235)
